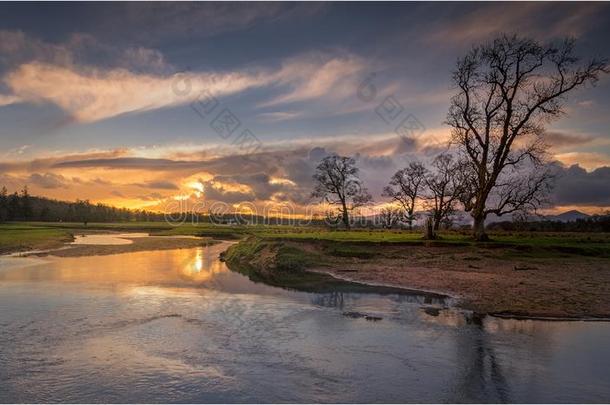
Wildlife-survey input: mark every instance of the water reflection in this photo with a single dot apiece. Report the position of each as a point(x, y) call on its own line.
point(480, 377)
point(107, 239)
point(182, 267)
point(178, 326)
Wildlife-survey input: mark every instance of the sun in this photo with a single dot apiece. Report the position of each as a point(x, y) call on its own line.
point(198, 187)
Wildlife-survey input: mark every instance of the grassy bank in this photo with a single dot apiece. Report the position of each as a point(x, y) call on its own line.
point(533, 244)
point(540, 279)
point(285, 264)
point(21, 237)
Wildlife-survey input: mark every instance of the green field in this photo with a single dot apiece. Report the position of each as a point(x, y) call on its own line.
point(18, 237)
point(34, 235)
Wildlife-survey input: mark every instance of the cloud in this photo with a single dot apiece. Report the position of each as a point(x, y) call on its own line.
point(126, 163)
point(144, 59)
point(89, 95)
point(162, 185)
point(588, 160)
point(261, 185)
point(91, 80)
point(48, 162)
point(18, 151)
point(277, 116)
point(575, 186)
point(216, 191)
point(279, 173)
point(586, 103)
point(314, 75)
point(151, 197)
point(544, 21)
point(47, 180)
point(17, 47)
point(8, 99)
point(559, 139)
point(79, 49)
point(132, 21)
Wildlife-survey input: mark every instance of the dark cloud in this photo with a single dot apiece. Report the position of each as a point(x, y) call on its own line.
point(318, 153)
point(263, 172)
point(233, 164)
point(405, 145)
point(47, 180)
point(376, 162)
point(542, 20)
point(129, 163)
point(150, 197)
point(575, 186)
point(229, 197)
point(162, 185)
point(132, 21)
point(260, 183)
point(559, 139)
point(101, 182)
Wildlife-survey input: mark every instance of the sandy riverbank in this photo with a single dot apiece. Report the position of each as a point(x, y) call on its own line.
point(494, 281)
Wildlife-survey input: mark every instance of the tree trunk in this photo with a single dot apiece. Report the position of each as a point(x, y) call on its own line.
point(430, 232)
point(345, 216)
point(437, 222)
point(478, 227)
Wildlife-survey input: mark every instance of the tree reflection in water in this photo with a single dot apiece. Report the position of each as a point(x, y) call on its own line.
point(480, 377)
point(334, 299)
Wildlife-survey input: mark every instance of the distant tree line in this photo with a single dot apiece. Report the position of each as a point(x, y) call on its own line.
point(595, 223)
point(21, 206)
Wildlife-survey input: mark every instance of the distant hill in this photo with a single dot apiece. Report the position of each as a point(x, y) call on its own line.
point(464, 218)
point(567, 216)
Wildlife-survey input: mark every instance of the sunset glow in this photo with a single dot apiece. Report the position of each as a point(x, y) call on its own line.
point(131, 131)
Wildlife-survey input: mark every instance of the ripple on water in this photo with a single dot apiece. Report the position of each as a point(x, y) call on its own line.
point(178, 326)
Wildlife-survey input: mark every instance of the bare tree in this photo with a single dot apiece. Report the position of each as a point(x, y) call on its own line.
point(337, 183)
point(390, 216)
point(507, 91)
point(405, 188)
point(444, 187)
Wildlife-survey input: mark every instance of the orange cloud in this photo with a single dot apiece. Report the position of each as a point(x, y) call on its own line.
point(588, 160)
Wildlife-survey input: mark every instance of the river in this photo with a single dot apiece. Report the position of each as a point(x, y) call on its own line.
point(178, 326)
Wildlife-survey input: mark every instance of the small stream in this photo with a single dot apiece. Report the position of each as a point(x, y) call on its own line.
point(179, 326)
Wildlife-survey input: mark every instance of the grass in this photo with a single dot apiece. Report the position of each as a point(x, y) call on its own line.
point(18, 237)
point(528, 244)
point(283, 264)
point(109, 226)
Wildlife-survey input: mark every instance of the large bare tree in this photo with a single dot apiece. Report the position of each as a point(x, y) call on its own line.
point(507, 91)
point(337, 183)
point(405, 188)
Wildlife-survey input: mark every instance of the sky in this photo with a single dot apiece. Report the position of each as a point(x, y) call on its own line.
point(168, 105)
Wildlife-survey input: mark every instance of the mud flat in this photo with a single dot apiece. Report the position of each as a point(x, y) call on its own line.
point(497, 281)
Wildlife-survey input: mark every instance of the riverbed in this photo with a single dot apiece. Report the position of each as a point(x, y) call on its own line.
point(178, 326)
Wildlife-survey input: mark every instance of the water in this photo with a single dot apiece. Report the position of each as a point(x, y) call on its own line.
point(178, 326)
point(107, 239)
